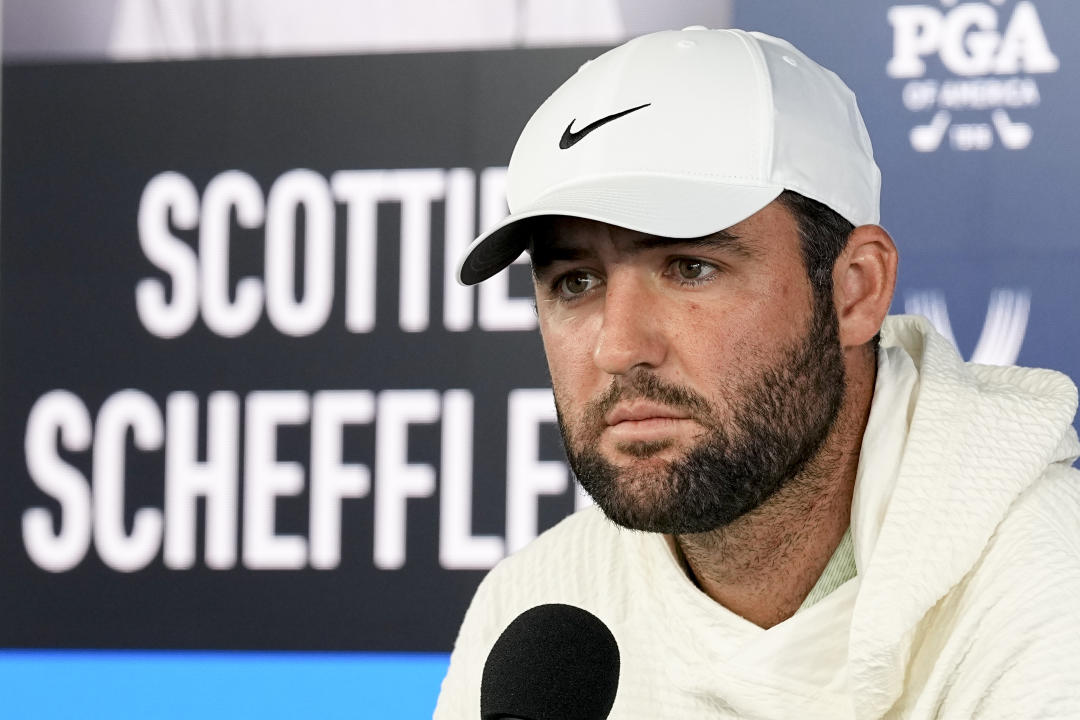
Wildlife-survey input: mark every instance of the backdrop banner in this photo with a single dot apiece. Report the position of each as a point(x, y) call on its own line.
point(244, 403)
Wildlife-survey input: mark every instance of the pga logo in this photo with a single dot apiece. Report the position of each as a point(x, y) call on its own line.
point(967, 40)
point(990, 55)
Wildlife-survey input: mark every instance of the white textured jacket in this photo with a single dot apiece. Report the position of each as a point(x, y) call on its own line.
point(966, 527)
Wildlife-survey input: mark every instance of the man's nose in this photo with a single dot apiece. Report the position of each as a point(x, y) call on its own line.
point(632, 331)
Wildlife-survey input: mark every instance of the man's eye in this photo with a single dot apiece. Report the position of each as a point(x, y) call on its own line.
point(575, 283)
point(690, 269)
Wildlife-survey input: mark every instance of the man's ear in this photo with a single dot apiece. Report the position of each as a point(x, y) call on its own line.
point(864, 279)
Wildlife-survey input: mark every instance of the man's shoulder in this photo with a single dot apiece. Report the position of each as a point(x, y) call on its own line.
point(1046, 517)
point(1031, 564)
point(579, 546)
point(1008, 635)
point(584, 560)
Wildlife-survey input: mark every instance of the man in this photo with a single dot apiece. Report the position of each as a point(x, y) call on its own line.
point(836, 523)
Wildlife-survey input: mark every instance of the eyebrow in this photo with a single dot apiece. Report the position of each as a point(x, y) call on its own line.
point(551, 252)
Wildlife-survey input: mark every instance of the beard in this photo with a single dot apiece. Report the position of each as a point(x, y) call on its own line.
point(778, 420)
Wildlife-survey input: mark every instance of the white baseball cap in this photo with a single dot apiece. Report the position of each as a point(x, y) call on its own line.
point(681, 134)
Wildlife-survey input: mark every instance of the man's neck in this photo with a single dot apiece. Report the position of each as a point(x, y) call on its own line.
point(763, 565)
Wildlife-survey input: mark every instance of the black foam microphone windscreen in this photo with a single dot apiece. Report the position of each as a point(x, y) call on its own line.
point(553, 662)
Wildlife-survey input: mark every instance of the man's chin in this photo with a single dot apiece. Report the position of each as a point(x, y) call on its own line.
point(646, 449)
point(637, 495)
point(644, 494)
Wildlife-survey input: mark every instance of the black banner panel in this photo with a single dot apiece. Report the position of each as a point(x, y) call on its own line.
point(245, 405)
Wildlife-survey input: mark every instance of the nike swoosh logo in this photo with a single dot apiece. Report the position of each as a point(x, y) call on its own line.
point(569, 139)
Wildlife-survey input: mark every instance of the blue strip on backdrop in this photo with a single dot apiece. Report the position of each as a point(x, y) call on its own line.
point(45, 684)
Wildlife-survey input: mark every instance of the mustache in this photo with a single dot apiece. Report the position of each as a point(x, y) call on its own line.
point(644, 385)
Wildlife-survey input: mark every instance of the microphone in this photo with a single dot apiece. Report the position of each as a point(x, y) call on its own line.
point(553, 662)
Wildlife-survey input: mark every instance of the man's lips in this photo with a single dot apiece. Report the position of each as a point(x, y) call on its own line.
point(637, 412)
point(645, 421)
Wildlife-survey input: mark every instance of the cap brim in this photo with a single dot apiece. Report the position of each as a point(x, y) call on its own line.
point(661, 205)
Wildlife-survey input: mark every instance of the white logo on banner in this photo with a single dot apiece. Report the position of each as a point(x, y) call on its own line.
point(989, 70)
point(1003, 330)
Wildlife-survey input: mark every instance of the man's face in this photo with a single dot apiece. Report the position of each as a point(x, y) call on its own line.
point(693, 378)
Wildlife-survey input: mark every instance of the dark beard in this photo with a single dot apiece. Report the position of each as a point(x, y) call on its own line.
point(778, 422)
